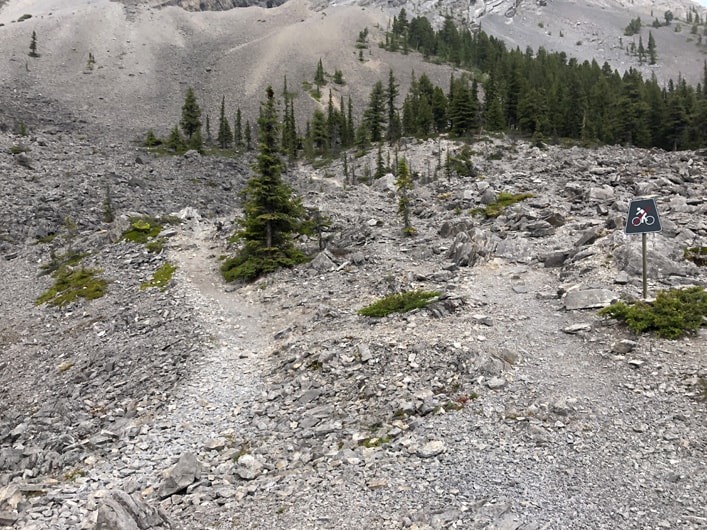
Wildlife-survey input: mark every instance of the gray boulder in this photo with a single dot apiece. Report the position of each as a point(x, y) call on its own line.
point(180, 476)
point(120, 511)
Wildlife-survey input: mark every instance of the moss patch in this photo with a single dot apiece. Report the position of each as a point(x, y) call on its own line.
point(673, 313)
point(70, 284)
point(161, 277)
point(143, 229)
point(398, 303)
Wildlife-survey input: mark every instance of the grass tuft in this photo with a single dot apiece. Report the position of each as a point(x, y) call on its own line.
point(502, 201)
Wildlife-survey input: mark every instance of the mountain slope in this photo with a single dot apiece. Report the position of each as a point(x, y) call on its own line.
point(148, 53)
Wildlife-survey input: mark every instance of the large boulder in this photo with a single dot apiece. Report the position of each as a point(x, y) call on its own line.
point(120, 511)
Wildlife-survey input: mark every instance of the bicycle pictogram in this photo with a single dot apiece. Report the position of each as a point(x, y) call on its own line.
point(642, 217)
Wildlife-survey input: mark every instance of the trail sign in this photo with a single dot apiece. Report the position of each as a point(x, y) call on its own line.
point(642, 217)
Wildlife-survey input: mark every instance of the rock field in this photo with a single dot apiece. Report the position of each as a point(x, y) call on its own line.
point(508, 403)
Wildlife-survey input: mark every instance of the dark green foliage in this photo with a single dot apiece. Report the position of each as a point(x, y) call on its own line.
point(151, 140)
point(461, 165)
point(339, 77)
point(272, 215)
point(248, 136)
point(69, 285)
point(191, 114)
point(374, 115)
point(196, 141)
point(362, 41)
point(404, 184)
point(399, 303)
point(392, 91)
point(319, 77)
point(33, 45)
point(502, 201)
point(633, 28)
point(224, 138)
point(176, 141)
point(672, 314)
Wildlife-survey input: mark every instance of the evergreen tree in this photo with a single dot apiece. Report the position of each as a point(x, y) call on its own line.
point(273, 216)
point(391, 93)
point(381, 168)
point(404, 184)
point(33, 45)
point(248, 136)
point(374, 115)
point(318, 132)
point(651, 49)
point(641, 51)
point(225, 135)
point(191, 113)
point(209, 140)
point(238, 129)
point(289, 126)
point(175, 140)
point(319, 78)
point(196, 142)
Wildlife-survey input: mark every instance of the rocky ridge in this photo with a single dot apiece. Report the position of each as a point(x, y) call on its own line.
point(508, 403)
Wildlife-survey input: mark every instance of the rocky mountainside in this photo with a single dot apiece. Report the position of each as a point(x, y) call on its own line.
point(507, 403)
point(146, 54)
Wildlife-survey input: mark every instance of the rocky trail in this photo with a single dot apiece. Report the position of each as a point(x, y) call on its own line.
point(508, 403)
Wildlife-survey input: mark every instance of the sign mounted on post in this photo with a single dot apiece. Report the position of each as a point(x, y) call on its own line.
point(642, 217)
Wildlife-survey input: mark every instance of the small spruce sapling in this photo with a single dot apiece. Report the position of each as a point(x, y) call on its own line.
point(33, 45)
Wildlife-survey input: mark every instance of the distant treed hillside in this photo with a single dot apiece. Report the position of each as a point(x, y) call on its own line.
point(222, 5)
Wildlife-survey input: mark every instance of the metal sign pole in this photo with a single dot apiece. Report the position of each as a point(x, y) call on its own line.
point(644, 237)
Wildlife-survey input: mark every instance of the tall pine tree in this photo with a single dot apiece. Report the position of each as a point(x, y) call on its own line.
point(273, 215)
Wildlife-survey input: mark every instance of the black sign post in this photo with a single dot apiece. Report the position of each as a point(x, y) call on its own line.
point(643, 219)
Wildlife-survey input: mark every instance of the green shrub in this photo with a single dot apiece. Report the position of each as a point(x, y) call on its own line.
point(250, 267)
point(19, 148)
point(161, 277)
point(398, 303)
point(71, 284)
point(671, 315)
point(502, 201)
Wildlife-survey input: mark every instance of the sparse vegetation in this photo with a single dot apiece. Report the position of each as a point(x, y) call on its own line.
point(697, 255)
point(502, 201)
point(71, 284)
point(399, 303)
point(673, 313)
point(18, 148)
point(160, 278)
point(143, 229)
